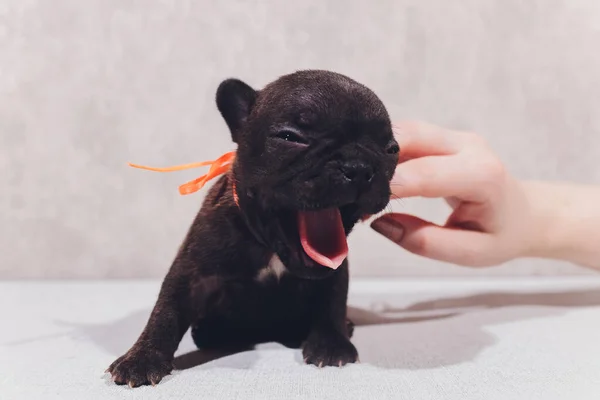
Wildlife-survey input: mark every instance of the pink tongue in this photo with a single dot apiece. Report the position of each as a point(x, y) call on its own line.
point(322, 236)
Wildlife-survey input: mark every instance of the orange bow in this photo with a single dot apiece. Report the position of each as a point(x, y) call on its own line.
point(217, 167)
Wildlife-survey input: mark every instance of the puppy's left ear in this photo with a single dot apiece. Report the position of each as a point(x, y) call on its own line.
point(235, 100)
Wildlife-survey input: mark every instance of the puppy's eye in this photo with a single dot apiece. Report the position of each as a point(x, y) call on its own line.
point(393, 148)
point(291, 136)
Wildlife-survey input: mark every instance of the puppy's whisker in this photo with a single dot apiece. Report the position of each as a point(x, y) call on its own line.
point(387, 209)
point(396, 184)
point(401, 200)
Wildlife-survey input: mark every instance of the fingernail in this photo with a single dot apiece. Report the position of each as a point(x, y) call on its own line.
point(389, 227)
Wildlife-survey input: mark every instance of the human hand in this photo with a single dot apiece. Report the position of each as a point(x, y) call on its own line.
point(492, 221)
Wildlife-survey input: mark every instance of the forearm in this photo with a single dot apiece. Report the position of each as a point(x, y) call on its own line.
point(566, 218)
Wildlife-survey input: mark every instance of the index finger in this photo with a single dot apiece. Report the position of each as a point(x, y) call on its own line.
point(438, 176)
point(419, 139)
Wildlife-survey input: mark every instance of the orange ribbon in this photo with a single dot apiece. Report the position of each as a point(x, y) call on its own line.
point(217, 167)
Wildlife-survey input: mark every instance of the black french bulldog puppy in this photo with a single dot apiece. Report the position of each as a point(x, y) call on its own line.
point(265, 258)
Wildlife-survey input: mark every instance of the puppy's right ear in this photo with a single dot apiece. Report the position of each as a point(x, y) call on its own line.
point(235, 100)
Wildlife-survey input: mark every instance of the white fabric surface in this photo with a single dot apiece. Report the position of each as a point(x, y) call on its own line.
point(451, 339)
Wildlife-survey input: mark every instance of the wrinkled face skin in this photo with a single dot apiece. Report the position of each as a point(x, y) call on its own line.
point(310, 141)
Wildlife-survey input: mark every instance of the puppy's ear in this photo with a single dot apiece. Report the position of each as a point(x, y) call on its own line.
point(235, 99)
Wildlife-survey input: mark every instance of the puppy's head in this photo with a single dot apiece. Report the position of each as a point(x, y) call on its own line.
point(315, 153)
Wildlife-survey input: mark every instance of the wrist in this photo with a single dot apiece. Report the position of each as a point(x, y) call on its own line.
point(563, 220)
point(546, 211)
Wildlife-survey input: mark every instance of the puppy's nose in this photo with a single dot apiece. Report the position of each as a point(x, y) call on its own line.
point(357, 172)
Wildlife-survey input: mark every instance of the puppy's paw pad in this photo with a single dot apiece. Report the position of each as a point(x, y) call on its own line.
point(325, 350)
point(140, 367)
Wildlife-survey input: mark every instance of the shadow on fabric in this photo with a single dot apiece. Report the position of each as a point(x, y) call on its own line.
point(427, 334)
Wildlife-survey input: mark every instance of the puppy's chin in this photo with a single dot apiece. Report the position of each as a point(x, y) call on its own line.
point(307, 269)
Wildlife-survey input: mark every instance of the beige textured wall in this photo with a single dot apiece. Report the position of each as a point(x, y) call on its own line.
point(86, 86)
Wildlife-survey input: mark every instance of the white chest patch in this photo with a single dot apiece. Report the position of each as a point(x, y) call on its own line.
point(274, 268)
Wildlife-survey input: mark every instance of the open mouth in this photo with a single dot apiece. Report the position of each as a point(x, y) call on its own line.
point(323, 237)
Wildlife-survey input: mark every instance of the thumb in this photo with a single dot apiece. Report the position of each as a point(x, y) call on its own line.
point(453, 245)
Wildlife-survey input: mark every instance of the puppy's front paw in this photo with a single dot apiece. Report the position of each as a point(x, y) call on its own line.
point(329, 349)
point(140, 367)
